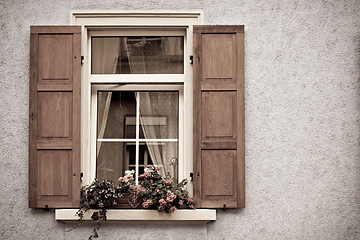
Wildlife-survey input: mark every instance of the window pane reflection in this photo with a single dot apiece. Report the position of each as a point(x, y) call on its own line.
point(137, 55)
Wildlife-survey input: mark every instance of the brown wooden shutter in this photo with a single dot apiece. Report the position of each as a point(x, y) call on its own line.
point(54, 138)
point(219, 139)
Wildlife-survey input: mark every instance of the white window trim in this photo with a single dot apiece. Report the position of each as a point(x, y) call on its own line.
point(198, 216)
point(92, 20)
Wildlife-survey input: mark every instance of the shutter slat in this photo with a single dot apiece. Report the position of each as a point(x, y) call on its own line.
point(219, 139)
point(54, 139)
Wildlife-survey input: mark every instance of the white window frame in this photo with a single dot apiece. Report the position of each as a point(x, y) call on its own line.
point(139, 78)
point(137, 87)
point(155, 20)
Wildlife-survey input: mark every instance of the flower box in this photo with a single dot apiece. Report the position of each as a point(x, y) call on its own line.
point(123, 202)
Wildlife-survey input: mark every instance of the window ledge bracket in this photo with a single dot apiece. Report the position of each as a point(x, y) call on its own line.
point(198, 216)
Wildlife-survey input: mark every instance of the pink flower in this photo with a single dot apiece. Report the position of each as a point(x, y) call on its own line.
point(147, 203)
point(149, 166)
point(144, 175)
point(122, 179)
point(190, 200)
point(191, 206)
point(157, 168)
point(157, 190)
point(162, 201)
point(172, 209)
point(161, 208)
point(169, 181)
point(181, 202)
point(170, 197)
point(140, 189)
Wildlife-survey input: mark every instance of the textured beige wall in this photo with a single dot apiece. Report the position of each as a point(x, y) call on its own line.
point(302, 120)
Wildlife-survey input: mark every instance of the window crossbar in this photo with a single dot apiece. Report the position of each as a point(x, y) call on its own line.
point(134, 140)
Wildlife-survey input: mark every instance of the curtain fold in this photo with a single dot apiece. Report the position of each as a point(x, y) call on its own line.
point(157, 105)
point(162, 107)
point(108, 53)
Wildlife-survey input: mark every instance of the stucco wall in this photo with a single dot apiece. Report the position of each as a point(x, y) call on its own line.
point(302, 120)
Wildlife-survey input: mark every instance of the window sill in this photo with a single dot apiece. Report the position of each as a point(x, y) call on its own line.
point(198, 216)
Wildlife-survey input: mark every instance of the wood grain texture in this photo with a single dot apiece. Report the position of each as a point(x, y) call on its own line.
point(55, 115)
point(218, 59)
point(54, 169)
point(240, 49)
point(54, 139)
point(215, 105)
point(218, 29)
point(55, 50)
point(76, 74)
point(55, 29)
point(215, 177)
point(219, 112)
point(33, 166)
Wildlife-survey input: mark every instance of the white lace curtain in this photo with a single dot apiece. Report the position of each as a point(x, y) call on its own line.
point(159, 104)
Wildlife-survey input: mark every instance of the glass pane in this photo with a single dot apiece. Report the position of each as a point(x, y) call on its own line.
point(143, 154)
point(159, 115)
point(137, 55)
point(165, 155)
point(113, 159)
point(114, 108)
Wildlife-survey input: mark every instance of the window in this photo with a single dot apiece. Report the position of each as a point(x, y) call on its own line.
point(135, 128)
point(141, 54)
point(131, 63)
point(137, 54)
point(137, 124)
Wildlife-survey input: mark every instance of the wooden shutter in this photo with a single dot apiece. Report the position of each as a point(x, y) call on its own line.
point(219, 140)
point(54, 138)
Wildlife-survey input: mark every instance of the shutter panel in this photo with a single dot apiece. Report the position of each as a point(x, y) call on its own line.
point(54, 138)
point(219, 136)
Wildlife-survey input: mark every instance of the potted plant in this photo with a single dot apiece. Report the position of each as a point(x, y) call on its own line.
point(152, 192)
point(162, 194)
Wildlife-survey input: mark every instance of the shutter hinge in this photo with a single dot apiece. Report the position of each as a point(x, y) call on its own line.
point(224, 207)
point(81, 176)
point(191, 59)
point(46, 208)
point(191, 176)
point(82, 59)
